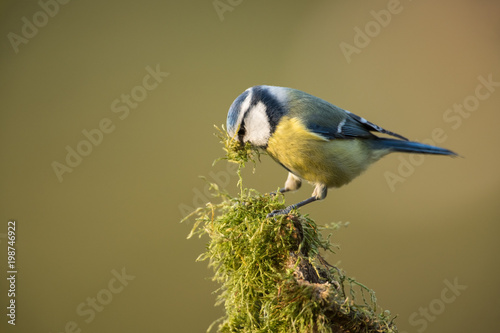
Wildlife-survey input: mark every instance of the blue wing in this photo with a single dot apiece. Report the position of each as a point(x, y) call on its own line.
point(333, 122)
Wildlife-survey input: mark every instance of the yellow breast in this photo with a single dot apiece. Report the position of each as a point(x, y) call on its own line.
point(317, 159)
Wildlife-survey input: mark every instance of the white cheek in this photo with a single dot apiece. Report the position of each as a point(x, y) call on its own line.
point(257, 126)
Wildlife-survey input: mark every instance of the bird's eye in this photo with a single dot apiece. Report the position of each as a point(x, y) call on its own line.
point(241, 133)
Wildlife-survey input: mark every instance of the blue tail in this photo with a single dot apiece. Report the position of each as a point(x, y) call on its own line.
point(409, 147)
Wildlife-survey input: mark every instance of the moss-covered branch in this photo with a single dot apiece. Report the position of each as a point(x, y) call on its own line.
point(272, 276)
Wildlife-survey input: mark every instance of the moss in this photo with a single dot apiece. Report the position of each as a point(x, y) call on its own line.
point(272, 275)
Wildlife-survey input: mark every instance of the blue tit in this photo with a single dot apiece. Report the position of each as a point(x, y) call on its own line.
point(312, 139)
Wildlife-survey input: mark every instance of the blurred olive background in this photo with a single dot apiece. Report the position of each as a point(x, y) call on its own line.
point(118, 210)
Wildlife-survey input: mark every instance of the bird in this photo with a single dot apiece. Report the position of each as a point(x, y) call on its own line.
point(312, 139)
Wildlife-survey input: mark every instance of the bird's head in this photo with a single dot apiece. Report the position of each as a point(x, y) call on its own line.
point(254, 114)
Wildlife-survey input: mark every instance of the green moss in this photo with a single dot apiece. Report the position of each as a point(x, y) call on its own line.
point(272, 275)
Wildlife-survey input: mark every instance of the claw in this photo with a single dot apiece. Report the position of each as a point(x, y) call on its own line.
point(289, 208)
point(277, 212)
point(281, 190)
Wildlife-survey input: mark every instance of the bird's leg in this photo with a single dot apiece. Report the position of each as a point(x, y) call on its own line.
point(292, 184)
point(319, 193)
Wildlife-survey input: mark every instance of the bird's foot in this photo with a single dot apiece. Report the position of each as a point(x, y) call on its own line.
point(277, 212)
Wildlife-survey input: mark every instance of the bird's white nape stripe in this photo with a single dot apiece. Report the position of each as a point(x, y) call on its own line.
point(258, 129)
point(280, 93)
point(244, 106)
